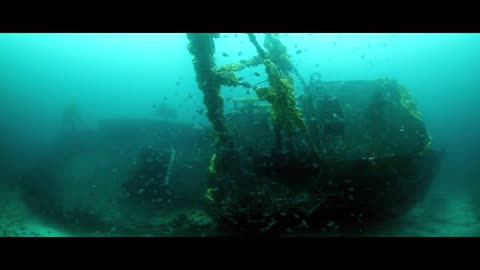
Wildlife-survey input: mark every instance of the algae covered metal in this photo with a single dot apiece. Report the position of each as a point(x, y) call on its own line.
point(318, 156)
point(340, 153)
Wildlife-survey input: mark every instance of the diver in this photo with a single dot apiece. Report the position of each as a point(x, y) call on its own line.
point(71, 118)
point(165, 111)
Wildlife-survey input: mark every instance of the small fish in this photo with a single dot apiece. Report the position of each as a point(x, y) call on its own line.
point(256, 74)
point(200, 111)
point(236, 35)
point(369, 46)
point(240, 78)
point(228, 99)
point(299, 51)
point(165, 98)
point(246, 85)
point(304, 223)
point(240, 53)
point(225, 36)
point(363, 56)
point(317, 65)
point(177, 84)
point(225, 55)
point(334, 43)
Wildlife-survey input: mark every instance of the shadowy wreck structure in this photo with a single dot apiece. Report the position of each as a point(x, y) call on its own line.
point(339, 155)
point(323, 158)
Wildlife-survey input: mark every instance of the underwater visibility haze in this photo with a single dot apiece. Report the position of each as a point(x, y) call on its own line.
point(227, 134)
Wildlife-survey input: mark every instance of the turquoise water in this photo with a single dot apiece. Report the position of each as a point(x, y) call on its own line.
point(111, 76)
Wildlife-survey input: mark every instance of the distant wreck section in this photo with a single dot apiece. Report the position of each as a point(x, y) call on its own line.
point(129, 177)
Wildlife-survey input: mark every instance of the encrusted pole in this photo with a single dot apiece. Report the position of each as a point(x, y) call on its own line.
point(280, 94)
point(210, 80)
point(202, 47)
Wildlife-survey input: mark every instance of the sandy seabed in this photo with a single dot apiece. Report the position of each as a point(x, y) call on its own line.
point(440, 214)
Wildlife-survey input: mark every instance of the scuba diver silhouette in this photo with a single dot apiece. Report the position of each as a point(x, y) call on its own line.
point(71, 117)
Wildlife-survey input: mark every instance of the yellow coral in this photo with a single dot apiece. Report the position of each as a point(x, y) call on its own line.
point(428, 146)
point(209, 195)
point(202, 47)
point(408, 102)
point(282, 97)
point(277, 52)
point(212, 167)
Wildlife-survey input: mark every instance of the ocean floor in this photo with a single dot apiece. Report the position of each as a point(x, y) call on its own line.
point(440, 214)
point(450, 209)
point(16, 221)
